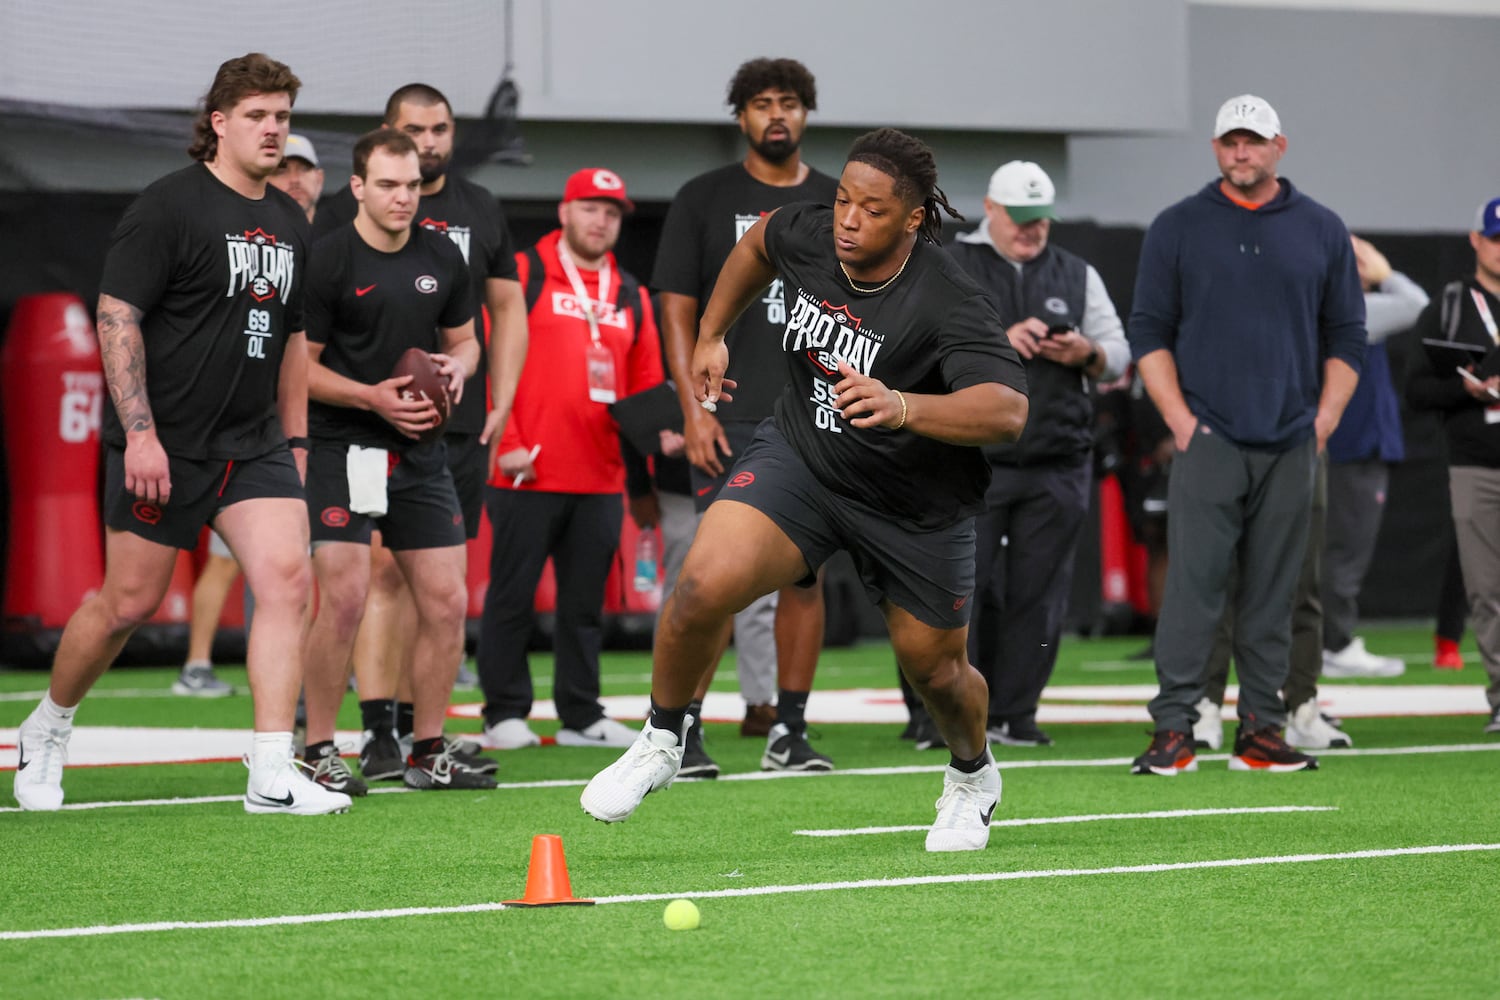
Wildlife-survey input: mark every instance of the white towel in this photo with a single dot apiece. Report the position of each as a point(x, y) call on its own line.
point(367, 469)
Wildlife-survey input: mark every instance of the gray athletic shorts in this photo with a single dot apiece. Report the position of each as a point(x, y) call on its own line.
point(927, 573)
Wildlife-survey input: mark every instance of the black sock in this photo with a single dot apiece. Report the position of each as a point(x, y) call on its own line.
point(970, 766)
point(317, 751)
point(375, 715)
point(426, 748)
point(695, 709)
point(402, 717)
point(669, 719)
point(791, 709)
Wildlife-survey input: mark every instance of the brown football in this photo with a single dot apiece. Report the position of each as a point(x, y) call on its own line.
point(426, 383)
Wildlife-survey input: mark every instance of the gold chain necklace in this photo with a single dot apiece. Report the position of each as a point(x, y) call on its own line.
point(883, 284)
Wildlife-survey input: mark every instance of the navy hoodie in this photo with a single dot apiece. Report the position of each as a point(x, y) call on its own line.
point(1250, 303)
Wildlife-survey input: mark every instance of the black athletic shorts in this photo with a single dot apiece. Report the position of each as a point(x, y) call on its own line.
point(468, 460)
point(422, 510)
point(706, 488)
point(200, 489)
point(927, 573)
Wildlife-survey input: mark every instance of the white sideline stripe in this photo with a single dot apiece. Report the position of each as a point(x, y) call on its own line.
point(1014, 765)
point(1093, 818)
point(99, 930)
point(165, 692)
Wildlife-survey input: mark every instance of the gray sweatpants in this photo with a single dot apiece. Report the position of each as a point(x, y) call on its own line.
point(1476, 516)
point(1228, 504)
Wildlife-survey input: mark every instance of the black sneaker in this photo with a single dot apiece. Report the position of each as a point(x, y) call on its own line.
point(1018, 733)
point(1265, 750)
point(789, 751)
point(1169, 754)
point(466, 752)
point(696, 763)
point(380, 758)
point(927, 735)
point(330, 771)
point(1494, 724)
point(909, 731)
point(442, 771)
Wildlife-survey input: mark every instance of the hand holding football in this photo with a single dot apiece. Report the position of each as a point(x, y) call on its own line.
point(427, 382)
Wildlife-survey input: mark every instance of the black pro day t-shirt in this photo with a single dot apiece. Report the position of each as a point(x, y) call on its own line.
point(368, 307)
point(931, 330)
point(707, 218)
point(218, 278)
point(472, 218)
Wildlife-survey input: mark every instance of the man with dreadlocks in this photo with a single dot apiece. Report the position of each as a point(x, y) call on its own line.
point(897, 371)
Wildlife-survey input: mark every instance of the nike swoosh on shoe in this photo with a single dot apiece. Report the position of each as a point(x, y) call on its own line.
point(267, 800)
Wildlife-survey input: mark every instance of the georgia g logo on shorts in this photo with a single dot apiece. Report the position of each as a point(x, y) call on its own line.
point(146, 512)
point(334, 517)
point(740, 479)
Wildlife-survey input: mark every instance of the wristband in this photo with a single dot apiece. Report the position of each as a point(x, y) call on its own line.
point(297, 442)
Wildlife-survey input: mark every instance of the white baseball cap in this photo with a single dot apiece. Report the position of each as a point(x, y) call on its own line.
point(1025, 190)
point(1248, 112)
point(298, 146)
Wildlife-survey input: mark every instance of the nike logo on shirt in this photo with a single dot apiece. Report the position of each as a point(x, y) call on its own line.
point(362, 292)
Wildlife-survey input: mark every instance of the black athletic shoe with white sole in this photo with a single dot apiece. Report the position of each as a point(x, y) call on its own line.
point(696, 763)
point(443, 772)
point(789, 751)
point(380, 758)
point(330, 771)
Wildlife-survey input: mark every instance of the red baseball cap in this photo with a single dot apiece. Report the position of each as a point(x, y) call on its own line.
point(597, 182)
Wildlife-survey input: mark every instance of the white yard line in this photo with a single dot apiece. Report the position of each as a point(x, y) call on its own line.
point(100, 930)
point(851, 772)
point(1092, 818)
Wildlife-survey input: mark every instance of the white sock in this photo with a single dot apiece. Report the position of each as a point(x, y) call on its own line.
point(270, 749)
point(53, 715)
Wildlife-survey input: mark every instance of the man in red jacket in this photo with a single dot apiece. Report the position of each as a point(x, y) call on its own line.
point(555, 489)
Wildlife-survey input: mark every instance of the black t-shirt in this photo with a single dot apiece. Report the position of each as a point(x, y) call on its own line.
point(218, 278)
point(368, 307)
point(707, 218)
point(930, 331)
point(472, 218)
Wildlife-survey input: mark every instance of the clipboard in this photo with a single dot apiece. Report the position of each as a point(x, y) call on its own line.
point(1447, 355)
point(642, 416)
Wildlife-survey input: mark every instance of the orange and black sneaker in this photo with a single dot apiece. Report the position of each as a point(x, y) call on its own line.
point(1169, 754)
point(1265, 750)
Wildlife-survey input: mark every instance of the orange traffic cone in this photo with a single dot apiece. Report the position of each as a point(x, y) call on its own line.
point(547, 881)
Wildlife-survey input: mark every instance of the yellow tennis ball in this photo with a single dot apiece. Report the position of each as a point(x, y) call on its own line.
point(681, 915)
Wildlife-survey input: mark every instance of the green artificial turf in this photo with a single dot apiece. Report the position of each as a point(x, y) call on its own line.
point(1414, 925)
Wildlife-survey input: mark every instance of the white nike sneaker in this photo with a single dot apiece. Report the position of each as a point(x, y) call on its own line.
point(604, 733)
point(1208, 731)
point(1354, 660)
point(1306, 728)
point(510, 734)
point(964, 809)
point(650, 764)
point(42, 754)
point(280, 783)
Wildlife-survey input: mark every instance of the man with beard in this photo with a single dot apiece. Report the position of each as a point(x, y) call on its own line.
point(299, 174)
point(555, 489)
point(782, 632)
point(1248, 329)
point(472, 218)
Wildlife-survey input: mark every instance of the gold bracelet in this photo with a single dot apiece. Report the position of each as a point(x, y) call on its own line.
point(902, 422)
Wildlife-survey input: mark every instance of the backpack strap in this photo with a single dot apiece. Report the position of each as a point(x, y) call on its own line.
point(1450, 311)
point(536, 274)
point(629, 295)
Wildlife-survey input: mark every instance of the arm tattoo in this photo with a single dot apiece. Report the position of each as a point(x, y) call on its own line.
point(124, 354)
